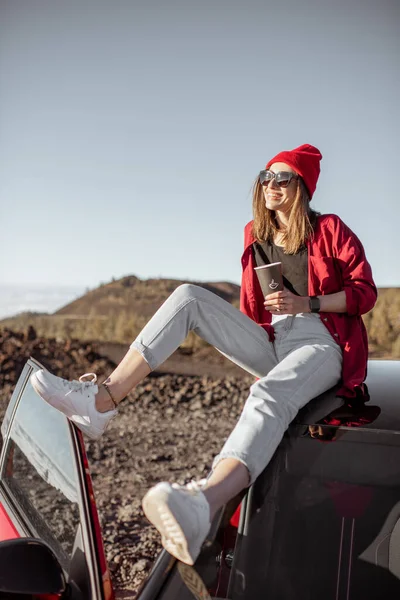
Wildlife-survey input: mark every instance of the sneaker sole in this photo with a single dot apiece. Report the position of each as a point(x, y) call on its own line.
point(156, 509)
point(37, 386)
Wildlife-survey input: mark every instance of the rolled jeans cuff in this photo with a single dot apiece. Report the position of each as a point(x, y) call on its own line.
point(237, 456)
point(146, 354)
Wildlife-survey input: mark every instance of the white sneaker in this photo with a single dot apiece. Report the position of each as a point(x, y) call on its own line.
point(76, 399)
point(181, 514)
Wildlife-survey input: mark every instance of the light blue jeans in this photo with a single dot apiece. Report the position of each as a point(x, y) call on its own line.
point(302, 362)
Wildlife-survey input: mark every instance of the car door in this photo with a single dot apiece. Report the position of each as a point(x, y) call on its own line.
point(46, 492)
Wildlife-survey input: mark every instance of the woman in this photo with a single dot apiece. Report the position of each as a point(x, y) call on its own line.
point(298, 342)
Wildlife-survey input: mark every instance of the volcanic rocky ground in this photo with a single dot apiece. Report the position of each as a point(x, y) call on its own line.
point(169, 428)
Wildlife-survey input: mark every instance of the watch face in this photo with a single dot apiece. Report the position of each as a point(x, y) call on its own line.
point(314, 304)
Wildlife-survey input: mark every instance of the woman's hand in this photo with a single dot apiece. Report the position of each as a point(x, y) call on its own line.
point(286, 303)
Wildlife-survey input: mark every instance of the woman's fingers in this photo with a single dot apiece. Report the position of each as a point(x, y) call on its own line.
point(275, 295)
point(279, 302)
point(280, 308)
point(276, 299)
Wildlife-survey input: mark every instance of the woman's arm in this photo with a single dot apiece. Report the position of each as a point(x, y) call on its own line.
point(332, 303)
point(288, 303)
point(358, 284)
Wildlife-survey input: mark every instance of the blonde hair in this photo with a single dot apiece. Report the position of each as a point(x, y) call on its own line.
point(301, 224)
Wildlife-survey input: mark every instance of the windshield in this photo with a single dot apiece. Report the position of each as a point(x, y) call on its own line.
point(39, 473)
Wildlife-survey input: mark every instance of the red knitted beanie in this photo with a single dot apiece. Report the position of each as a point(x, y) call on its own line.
point(305, 161)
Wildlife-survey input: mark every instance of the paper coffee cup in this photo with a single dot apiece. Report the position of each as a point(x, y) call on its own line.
point(270, 278)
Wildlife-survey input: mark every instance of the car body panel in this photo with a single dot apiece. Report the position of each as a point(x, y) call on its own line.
point(7, 529)
point(383, 382)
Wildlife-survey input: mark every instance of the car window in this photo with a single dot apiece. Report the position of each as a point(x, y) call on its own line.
point(38, 473)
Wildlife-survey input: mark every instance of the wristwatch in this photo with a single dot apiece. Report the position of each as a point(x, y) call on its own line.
point(315, 304)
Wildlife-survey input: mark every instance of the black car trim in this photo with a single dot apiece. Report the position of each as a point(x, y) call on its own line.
point(162, 570)
point(242, 527)
point(12, 407)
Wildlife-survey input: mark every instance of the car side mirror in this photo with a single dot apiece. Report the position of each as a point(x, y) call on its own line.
point(29, 566)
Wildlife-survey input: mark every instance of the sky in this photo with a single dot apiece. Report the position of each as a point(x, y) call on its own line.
point(131, 132)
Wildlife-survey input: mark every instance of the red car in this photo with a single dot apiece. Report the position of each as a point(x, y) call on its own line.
point(321, 521)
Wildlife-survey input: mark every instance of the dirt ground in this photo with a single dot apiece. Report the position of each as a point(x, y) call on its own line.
point(169, 428)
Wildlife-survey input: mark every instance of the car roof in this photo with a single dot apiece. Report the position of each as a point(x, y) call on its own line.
point(383, 381)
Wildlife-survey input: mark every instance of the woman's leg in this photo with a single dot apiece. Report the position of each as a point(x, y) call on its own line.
point(130, 371)
point(190, 308)
point(182, 514)
point(273, 403)
point(228, 478)
point(305, 370)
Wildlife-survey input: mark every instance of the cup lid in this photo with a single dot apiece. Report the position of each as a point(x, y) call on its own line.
point(270, 265)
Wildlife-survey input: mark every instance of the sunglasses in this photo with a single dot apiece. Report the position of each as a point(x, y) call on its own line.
point(282, 178)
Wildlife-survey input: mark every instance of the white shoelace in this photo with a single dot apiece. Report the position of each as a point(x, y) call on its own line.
point(75, 385)
point(193, 487)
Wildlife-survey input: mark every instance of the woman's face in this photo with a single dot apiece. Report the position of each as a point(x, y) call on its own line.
point(278, 198)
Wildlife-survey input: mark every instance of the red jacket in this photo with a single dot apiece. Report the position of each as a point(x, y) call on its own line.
point(336, 261)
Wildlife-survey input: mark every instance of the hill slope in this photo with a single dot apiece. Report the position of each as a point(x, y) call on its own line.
point(117, 311)
point(138, 296)
point(113, 312)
